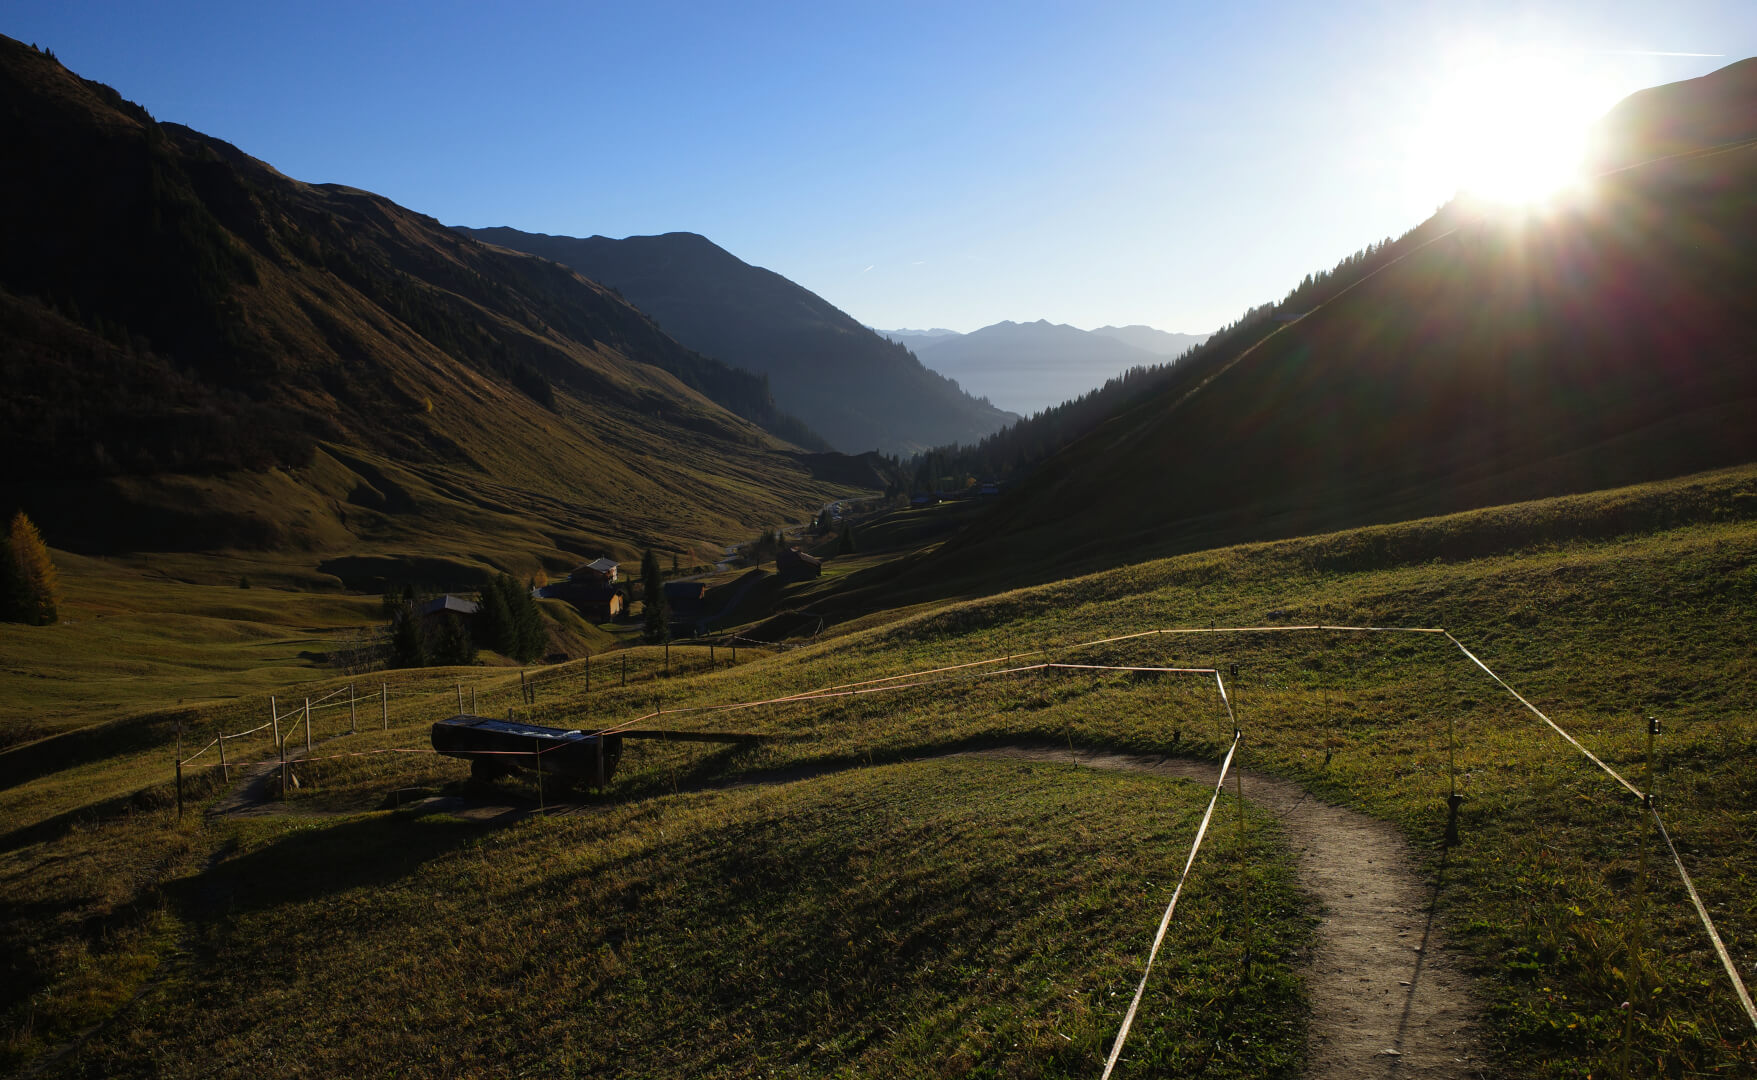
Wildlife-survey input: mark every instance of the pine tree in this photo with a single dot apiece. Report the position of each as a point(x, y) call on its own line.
point(653, 592)
point(846, 545)
point(531, 639)
point(408, 642)
point(29, 586)
point(452, 644)
point(494, 623)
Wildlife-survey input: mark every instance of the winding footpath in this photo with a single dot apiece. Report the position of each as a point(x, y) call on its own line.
point(1387, 1000)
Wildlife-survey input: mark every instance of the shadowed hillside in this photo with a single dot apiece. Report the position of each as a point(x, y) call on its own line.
point(861, 391)
point(200, 352)
point(1491, 357)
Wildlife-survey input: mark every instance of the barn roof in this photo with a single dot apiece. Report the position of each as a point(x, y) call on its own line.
point(453, 604)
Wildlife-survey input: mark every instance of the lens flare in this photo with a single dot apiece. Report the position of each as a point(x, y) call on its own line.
point(1512, 127)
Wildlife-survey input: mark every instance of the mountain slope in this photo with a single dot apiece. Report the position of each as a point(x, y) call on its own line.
point(1488, 359)
point(203, 353)
point(859, 390)
point(1028, 367)
point(1716, 109)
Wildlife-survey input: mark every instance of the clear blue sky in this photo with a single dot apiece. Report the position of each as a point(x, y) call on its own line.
point(946, 164)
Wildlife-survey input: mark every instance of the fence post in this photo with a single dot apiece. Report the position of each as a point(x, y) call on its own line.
point(1640, 900)
point(274, 714)
point(710, 654)
point(180, 770)
point(524, 689)
point(225, 770)
point(460, 697)
point(353, 715)
point(1453, 799)
point(1244, 895)
point(384, 704)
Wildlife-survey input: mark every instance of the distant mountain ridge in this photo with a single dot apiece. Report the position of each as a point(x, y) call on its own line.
point(1151, 340)
point(858, 390)
point(1029, 367)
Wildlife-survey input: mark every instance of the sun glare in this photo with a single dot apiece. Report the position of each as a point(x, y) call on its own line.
point(1512, 128)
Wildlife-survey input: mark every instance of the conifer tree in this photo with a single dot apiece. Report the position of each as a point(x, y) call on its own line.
point(846, 545)
point(653, 591)
point(452, 644)
point(531, 639)
point(29, 586)
point(408, 642)
point(494, 622)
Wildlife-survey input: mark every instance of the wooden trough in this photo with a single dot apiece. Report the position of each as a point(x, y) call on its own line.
point(494, 748)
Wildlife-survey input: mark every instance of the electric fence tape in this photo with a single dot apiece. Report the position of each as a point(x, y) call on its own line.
point(1122, 1034)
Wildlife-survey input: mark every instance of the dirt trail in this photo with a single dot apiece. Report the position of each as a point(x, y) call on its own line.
point(1387, 1001)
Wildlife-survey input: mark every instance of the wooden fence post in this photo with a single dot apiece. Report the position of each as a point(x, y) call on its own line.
point(225, 770)
point(524, 688)
point(472, 701)
point(180, 769)
point(307, 727)
point(274, 715)
point(1244, 896)
point(353, 715)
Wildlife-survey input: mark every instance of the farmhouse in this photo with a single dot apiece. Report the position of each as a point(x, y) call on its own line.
point(791, 564)
point(592, 598)
point(445, 608)
point(599, 571)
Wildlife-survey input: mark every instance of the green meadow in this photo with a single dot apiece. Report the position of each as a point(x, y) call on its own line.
point(846, 899)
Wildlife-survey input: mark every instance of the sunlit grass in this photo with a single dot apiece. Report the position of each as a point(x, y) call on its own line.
point(1597, 624)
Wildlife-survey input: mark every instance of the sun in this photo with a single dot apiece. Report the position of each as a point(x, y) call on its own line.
point(1511, 127)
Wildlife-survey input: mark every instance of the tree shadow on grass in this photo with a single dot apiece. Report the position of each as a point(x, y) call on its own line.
point(309, 864)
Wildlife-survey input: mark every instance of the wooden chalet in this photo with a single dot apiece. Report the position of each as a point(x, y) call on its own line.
point(791, 564)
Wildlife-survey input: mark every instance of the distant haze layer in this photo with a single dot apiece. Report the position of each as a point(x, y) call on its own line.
point(1028, 367)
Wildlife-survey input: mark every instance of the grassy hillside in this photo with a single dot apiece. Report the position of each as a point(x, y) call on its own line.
point(259, 363)
point(1602, 610)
